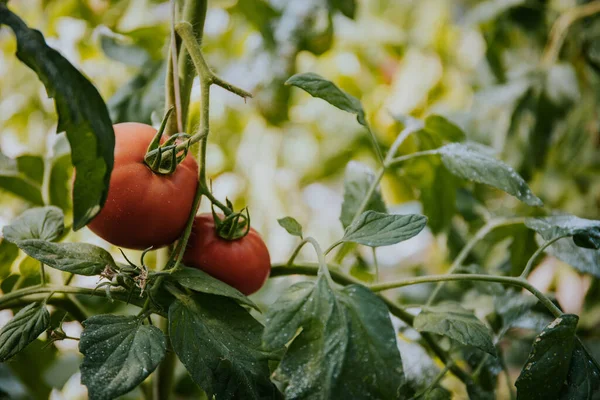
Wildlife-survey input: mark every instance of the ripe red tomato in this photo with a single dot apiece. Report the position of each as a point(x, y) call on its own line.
point(243, 263)
point(144, 209)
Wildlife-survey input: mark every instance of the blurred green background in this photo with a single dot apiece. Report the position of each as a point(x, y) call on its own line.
point(479, 63)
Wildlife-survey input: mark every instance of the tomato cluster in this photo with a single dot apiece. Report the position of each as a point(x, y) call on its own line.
point(146, 209)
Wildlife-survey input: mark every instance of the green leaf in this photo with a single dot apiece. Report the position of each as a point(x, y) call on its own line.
point(583, 378)
point(77, 258)
point(562, 85)
point(358, 179)
point(585, 232)
point(317, 86)
point(8, 254)
point(292, 226)
point(29, 267)
point(346, 7)
point(511, 306)
point(452, 320)
point(260, 14)
point(440, 126)
point(124, 52)
point(60, 179)
point(467, 162)
point(378, 229)
point(119, 353)
point(24, 328)
point(547, 366)
point(17, 182)
point(29, 366)
point(32, 167)
point(202, 282)
point(81, 113)
point(343, 343)
point(439, 199)
point(584, 260)
point(45, 223)
point(218, 341)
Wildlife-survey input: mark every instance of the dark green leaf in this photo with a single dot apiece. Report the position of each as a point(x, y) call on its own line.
point(452, 320)
point(81, 113)
point(584, 260)
point(346, 7)
point(438, 125)
point(29, 366)
point(8, 254)
point(547, 367)
point(344, 345)
point(45, 223)
point(118, 354)
point(126, 53)
point(467, 162)
point(292, 226)
point(357, 181)
point(77, 258)
point(378, 229)
point(583, 379)
point(24, 328)
point(219, 344)
point(585, 232)
point(60, 179)
point(16, 182)
point(260, 14)
point(317, 86)
point(32, 167)
point(439, 199)
point(202, 282)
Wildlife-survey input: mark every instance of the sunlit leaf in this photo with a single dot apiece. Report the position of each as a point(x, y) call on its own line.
point(358, 179)
point(45, 223)
point(292, 226)
point(585, 232)
point(378, 229)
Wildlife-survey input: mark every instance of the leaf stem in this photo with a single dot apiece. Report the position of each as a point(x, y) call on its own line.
point(43, 273)
point(537, 253)
point(401, 159)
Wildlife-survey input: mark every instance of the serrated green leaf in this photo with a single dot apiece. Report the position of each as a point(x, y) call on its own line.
point(81, 113)
point(547, 366)
point(584, 260)
point(344, 346)
point(452, 320)
point(317, 86)
point(119, 353)
point(440, 126)
point(583, 378)
point(8, 254)
point(218, 341)
point(467, 162)
point(77, 258)
point(357, 180)
point(292, 226)
point(45, 223)
point(585, 232)
point(378, 229)
point(202, 282)
point(24, 328)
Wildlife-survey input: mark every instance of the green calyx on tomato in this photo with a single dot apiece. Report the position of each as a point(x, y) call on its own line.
point(234, 226)
point(163, 158)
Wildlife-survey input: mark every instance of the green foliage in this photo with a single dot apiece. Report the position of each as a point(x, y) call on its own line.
point(358, 178)
point(44, 223)
point(292, 226)
point(24, 328)
point(378, 229)
point(17, 181)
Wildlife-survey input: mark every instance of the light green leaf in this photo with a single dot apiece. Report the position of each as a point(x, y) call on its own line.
point(81, 113)
point(547, 366)
point(440, 126)
point(452, 320)
point(119, 353)
point(24, 328)
point(339, 337)
point(357, 180)
point(17, 182)
point(8, 254)
point(467, 162)
point(60, 180)
point(584, 260)
point(378, 229)
point(77, 258)
point(29, 267)
point(218, 341)
point(202, 282)
point(292, 226)
point(562, 85)
point(45, 223)
point(585, 232)
point(317, 86)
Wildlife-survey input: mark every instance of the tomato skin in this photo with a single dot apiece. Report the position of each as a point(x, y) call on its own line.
point(243, 263)
point(144, 209)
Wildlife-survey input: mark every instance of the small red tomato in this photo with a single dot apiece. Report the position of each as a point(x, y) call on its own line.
point(243, 263)
point(143, 208)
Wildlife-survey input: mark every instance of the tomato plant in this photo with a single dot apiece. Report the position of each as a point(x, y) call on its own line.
point(457, 194)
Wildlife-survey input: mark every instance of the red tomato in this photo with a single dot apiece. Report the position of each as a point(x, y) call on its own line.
point(144, 209)
point(243, 263)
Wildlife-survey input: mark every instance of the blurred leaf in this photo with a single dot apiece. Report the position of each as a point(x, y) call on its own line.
point(29, 366)
point(219, 344)
point(77, 258)
point(547, 367)
point(346, 7)
point(562, 87)
point(81, 113)
point(522, 247)
point(32, 167)
point(488, 10)
point(119, 353)
point(438, 125)
point(439, 199)
point(8, 254)
point(126, 53)
point(511, 306)
point(29, 267)
point(583, 378)
point(292, 226)
point(469, 163)
point(17, 182)
point(339, 336)
point(379, 229)
point(45, 223)
point(584, 260)
point(585, 232)
point(358, 179)
point(202, 282)
point(59, 372)
point(24, 328)
point(261, 15)
point(452, 320)
point(320, 87)
point(438, 393)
